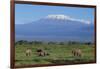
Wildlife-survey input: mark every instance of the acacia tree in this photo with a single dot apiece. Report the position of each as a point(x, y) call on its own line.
point(61, 43)
point(37, 42)
point(22, 42)
point(51, 43)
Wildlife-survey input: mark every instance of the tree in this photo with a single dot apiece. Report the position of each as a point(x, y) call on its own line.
point(51, 43)
point(21, 42)
point(37, 42)
point(88, 43)
point(61, 43)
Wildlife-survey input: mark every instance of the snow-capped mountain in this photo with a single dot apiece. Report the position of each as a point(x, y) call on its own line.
point(60, 17)
point(56, 27)
point(63, 17)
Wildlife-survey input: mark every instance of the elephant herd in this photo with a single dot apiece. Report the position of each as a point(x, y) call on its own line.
point(40, 52)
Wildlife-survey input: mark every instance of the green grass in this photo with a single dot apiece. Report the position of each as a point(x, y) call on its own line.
point(58, 54)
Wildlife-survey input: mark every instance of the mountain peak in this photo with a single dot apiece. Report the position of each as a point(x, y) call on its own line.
point(64, 17)
point(59, 16)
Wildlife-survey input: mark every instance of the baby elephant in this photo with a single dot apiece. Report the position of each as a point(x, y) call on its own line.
point(28, 52)
point(77, 52)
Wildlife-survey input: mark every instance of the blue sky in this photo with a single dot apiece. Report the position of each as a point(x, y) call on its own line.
point(25, 13)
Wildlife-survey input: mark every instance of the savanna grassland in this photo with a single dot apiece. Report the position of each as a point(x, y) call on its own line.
point(59, 53)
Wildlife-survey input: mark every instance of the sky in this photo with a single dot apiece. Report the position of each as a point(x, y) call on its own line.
point(25, 13)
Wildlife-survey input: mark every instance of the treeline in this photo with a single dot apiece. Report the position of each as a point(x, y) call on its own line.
point(51, 42)
point(28, 42)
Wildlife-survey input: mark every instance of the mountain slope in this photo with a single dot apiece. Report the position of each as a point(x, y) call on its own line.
point(60, 28)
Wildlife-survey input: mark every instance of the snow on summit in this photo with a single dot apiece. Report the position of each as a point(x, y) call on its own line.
point(64, 17)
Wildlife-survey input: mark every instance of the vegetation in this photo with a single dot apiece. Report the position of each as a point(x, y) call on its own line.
point(59, 52)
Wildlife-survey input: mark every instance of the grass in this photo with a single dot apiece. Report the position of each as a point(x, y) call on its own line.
point(59, 54)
